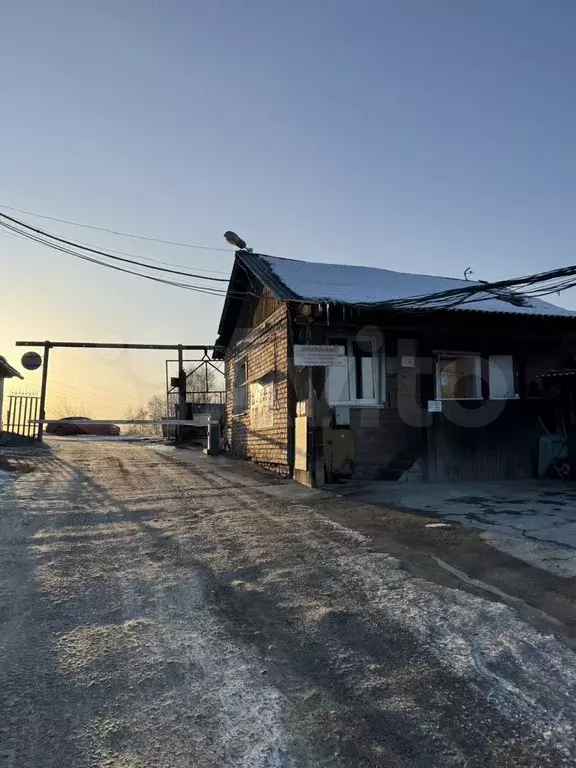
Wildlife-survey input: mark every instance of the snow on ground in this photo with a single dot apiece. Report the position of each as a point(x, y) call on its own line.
point(105, 438)
point(477, 639)
point(534, 521)
point(184, 617)
point(215, 683)
point(121, 620)
point(5, 478)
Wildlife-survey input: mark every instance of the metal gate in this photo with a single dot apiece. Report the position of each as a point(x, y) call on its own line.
point(205, 388)
point(22, 409)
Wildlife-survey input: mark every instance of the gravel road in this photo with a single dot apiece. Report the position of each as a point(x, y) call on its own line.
point(158, 614)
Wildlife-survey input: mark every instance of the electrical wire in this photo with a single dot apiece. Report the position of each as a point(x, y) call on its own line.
point(66, 395)
point(113, 266)
point(28, 236)
point(527, 286)
point(89, 384)
point(536, 285)
point(106, 254)
point(209, 290)
point(60, 244)
point(159, 261)
point(91, 399)
point(116, 232)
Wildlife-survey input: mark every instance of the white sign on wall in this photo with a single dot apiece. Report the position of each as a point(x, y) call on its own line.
point(328, 355)
point(434, 406)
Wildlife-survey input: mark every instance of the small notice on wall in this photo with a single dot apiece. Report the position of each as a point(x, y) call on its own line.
point(434, 406)
point(262, 404)
point(328, 355)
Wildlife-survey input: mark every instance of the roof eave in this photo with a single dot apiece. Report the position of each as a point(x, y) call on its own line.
point(260, 269)
point(247, 263)
point(8, 372)
point(386, 307)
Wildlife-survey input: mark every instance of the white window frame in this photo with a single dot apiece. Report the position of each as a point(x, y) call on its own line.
point(379, 368)
point(449, 354)
point(237, 388)
point(444, 354)
point(513, 394)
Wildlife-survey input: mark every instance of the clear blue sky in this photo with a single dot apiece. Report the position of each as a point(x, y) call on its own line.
point(413, 135)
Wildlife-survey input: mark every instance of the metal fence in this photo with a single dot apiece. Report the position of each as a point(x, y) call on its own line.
point(205, 395)
point(21, 409)
point(205, 387)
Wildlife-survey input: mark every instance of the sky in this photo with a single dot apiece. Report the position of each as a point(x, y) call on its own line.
point(406, 134)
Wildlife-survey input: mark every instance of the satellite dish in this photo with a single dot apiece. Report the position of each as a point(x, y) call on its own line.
point(31, 361)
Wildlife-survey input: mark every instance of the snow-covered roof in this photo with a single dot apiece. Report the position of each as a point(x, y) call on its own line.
point(290, 279)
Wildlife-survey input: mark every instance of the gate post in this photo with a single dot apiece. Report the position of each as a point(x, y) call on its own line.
point(43, 390)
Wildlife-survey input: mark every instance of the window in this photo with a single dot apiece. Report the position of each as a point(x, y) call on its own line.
point(362, 379)
point(501, 376)
point(240, 404)
point(458, 377)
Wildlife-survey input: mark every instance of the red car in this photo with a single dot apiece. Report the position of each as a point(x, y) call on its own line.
point(87, 427)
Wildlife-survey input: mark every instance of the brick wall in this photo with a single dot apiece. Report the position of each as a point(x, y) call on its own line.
point(381, 437)
point(261, 434)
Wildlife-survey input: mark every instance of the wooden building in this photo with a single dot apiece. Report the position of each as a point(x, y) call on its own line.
point(434, 392)
point(6, 372)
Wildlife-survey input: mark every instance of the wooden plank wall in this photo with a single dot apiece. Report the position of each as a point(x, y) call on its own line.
point(505, 448)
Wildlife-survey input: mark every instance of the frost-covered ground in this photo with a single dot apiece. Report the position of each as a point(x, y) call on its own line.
point(534, 521)
point(162, 614)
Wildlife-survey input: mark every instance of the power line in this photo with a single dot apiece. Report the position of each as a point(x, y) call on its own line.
point(65, 246)
point(92, 398)
point(67, 395)
point(540, 284)
point(95, 386)
point(159, 261)
point(29, 236)
point(87, 363)
point(535, 285)
point(106, 254)
point(116, 232)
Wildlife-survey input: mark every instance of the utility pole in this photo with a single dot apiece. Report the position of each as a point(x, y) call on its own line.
point(182, 408)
